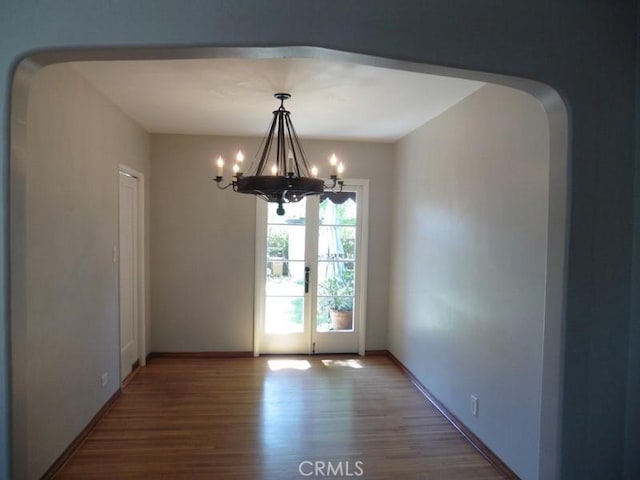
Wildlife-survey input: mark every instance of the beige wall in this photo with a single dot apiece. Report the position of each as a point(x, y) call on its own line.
point(203, 241)
point(467, 305)
point(65, 213)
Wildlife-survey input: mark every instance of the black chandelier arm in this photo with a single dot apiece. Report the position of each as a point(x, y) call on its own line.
point(293, 147)
point(293, 137)
point(281, 154)
point(266, 146)
point(218, 181)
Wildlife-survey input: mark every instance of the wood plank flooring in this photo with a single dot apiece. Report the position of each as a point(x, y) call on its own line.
point(274, 418)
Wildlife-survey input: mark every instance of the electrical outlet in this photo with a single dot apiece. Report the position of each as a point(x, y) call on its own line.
point(104, 379)
point(474, 405)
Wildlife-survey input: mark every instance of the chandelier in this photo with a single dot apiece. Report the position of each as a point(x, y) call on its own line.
point(282, 174)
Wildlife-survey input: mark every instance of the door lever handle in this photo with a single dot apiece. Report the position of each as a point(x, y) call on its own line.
point(306, 279)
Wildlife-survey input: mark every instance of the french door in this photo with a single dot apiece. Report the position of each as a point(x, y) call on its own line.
point(310, 274)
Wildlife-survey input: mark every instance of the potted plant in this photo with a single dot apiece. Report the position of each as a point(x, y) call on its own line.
point(337, 297)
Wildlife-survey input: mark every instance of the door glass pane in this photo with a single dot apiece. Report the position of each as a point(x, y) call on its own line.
point(338, 209)
point(337, 243)
point(284, 314)
point(284, 302)
point(285, 278)
point(285, 242)
point(336, 262)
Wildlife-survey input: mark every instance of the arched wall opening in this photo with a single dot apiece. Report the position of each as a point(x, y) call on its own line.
point(556, 116)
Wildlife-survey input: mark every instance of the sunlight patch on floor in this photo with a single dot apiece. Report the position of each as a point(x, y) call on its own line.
point(288, 364)
point(351, 362)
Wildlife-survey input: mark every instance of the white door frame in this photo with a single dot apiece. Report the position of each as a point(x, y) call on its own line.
point(363, 248)
point(260, 274)
point(140, 263)
point(363, 245)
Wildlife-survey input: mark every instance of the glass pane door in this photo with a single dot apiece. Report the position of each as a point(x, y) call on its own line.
point(284, 295)
point(336, 264)
point(336, 306)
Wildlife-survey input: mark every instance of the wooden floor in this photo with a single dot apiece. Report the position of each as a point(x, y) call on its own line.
point(274, 418)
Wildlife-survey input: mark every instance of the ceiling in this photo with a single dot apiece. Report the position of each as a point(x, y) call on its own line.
point(234, 96)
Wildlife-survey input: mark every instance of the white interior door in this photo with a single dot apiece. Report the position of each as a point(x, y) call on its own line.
point(128, 277)
point(309, 275)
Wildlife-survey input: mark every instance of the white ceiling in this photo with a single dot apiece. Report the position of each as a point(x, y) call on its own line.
point(330, 99)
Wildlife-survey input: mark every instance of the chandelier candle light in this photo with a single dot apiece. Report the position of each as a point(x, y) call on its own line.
point(288, 178)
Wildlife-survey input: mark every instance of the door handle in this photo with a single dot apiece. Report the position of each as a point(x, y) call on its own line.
point(306, 279)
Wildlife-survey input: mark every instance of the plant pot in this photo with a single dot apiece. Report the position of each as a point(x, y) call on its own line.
point(341, 320)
